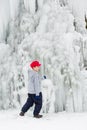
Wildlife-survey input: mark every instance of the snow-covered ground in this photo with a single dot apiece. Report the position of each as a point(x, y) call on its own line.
point(10, 120)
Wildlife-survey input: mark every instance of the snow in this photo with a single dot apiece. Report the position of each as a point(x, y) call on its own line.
point(48, 91)
point(13, 8)
point(60, 121)
point(54, 34)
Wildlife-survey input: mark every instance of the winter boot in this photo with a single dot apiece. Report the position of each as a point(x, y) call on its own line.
point(21, 113)
point(38, 116)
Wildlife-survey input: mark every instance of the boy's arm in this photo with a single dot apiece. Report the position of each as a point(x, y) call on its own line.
point(36, 84)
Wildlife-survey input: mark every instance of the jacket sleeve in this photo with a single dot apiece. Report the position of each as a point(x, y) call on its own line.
point(36, 84)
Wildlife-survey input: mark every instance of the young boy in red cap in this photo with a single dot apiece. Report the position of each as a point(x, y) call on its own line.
point(34, 90)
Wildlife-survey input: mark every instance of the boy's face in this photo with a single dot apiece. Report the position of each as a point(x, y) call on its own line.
point(37, 68)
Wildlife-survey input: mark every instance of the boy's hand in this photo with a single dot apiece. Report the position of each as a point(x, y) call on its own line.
point(44, 77)
point(37, 97)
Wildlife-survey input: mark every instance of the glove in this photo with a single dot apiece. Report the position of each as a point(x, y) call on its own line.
point(37, 97)
point(44, 77)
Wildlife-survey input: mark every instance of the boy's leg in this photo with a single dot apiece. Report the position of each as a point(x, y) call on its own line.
point(38, 105)
point(28, 104)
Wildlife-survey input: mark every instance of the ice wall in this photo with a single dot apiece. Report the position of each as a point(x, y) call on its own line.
point(47, 34)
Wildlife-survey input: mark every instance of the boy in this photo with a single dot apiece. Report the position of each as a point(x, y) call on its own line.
point(34, 91)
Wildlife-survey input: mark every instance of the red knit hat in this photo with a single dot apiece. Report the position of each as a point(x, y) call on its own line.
point(34, 64)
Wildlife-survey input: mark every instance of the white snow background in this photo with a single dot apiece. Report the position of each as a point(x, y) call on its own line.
point(53, 32)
